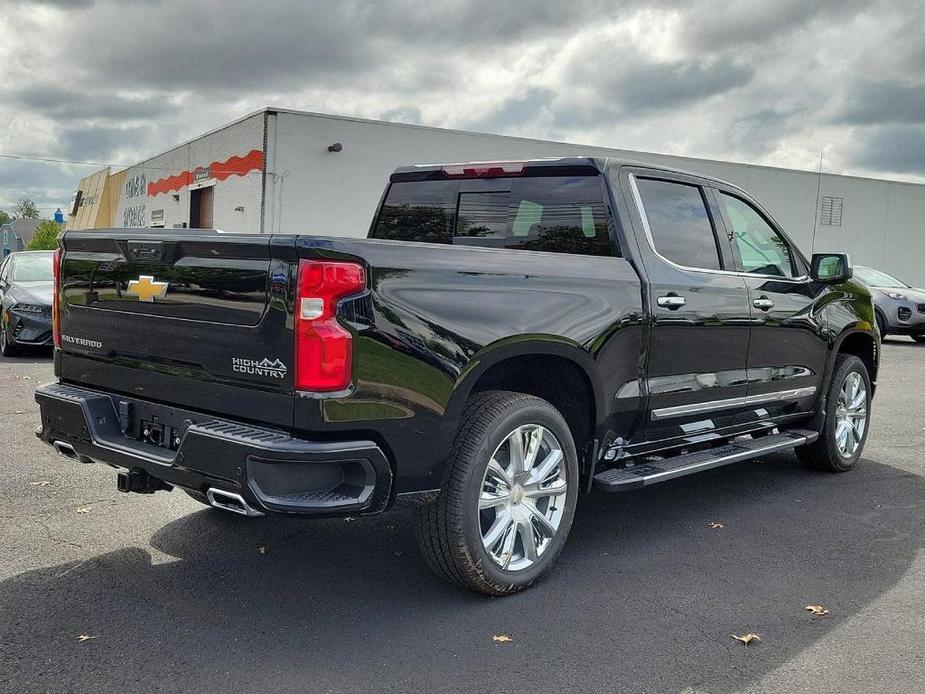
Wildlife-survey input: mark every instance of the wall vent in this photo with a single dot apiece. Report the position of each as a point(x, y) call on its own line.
point(832, 211)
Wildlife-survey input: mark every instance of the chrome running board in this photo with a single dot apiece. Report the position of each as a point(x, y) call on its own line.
point(645, 474)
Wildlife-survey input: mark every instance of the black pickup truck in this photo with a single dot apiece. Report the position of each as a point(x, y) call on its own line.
point(510, 336)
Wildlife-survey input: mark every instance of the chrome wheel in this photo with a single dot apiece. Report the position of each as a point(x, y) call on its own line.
point(851, 415)
point(522, 497)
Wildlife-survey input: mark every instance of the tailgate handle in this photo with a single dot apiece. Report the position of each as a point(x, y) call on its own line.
point(146, 251)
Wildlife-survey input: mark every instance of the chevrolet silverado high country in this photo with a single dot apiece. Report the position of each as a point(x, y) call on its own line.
point(510, 336)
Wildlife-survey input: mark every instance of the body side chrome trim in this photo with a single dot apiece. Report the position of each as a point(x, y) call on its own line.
point(714, 405)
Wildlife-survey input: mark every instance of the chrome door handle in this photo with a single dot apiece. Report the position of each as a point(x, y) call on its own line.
point(764, 303)
point(671, 302)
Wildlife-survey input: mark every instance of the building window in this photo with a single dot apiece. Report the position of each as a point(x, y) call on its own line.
point(832, 211)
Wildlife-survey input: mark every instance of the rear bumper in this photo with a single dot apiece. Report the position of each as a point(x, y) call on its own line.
point(269, 470)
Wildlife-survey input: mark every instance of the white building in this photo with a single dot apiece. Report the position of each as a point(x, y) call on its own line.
point(280, 171)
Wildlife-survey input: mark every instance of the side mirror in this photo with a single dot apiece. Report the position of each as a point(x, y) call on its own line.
point(831, 267)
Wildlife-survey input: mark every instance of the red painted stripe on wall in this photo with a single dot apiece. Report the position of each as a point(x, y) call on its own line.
point(220, 170)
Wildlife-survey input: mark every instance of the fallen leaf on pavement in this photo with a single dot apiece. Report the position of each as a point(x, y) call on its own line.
point(84, 509)
point(501, 638)
point(747, 638)
point(40, 483)
point(85, 637)
point(714, 524)
point(817, 610)
point(261, 549)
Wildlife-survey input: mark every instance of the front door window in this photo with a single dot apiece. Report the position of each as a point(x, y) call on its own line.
point(762, 250)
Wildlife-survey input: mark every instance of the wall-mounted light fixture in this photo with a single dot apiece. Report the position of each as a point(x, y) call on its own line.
point(336, 147)
point(239, 208)
point(176, 197)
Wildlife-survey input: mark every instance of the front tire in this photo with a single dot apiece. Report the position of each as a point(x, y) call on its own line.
point(881, 325)
point(847, 418)
point(508, 497)
point(7, 348)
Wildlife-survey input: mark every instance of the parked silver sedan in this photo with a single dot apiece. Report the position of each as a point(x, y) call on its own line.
point(900, 308)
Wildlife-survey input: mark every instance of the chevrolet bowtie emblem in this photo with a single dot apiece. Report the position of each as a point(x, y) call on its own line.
point(146, 288)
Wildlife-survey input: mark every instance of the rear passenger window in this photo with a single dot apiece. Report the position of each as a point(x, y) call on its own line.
point(558, 214)
point(679, 223)
point(418, 211)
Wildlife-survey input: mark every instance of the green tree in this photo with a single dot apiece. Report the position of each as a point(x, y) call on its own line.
point(45, 237)
point(5, 217)
point(25, 208)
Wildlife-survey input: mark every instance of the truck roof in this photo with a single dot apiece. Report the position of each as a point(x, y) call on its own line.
point(510, 167)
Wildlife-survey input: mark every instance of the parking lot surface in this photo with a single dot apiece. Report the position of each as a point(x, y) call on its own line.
point(176, 597)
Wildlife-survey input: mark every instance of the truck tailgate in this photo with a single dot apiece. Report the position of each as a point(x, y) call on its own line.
point(200, 319)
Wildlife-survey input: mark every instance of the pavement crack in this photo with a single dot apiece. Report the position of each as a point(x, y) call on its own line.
point(51, 536)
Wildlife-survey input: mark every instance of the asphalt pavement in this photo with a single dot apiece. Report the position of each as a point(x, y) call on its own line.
point(176, 597)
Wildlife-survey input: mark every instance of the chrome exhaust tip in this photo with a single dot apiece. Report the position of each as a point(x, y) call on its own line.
point(229, 501)
point(65, 450)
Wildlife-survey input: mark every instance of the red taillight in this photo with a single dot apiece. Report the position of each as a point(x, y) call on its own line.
point(484, 169)
point(323, 347)
point(56, 299)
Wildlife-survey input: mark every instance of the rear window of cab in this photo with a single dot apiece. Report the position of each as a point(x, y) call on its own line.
point(559, 214)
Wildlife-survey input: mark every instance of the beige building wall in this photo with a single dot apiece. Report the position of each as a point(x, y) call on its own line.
point(97, 202)
point(89, 193)
point(106, 216)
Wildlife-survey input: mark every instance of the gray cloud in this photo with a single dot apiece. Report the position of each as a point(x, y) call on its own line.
point(261, 45)
point(72, 104)
point(756, 22)
point(220, 44)
point(515, 111)
point(622, 87)
point(771, 83)
point(50, 185)
point(667, 85)
point(873, 101)
point(897, 149)
point(68, 4)
point(757, 133)
point(97, 143)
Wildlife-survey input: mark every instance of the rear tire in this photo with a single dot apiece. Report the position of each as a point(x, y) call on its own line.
point(497, 528)
point(847, 419)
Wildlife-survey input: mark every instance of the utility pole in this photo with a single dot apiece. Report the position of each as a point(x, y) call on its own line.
point(816, 208)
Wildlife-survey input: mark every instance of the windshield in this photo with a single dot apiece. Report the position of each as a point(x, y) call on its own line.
point(32, 268)
point(875, 278)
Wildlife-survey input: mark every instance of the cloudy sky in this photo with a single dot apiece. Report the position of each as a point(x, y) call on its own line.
point(775, 83)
